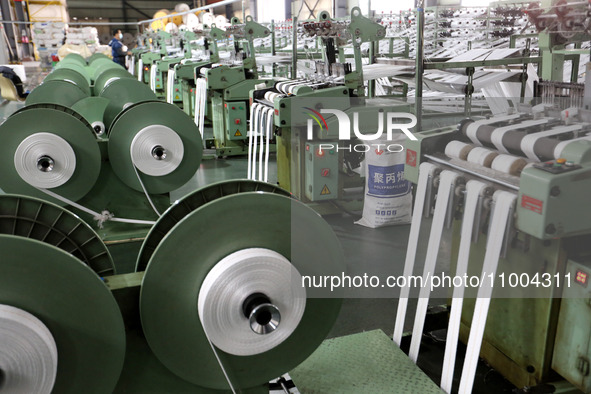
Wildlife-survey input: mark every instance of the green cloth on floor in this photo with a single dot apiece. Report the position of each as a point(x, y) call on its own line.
point(368, 362)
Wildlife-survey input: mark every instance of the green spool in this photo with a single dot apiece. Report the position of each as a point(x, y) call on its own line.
point(177, 268)
point(33, 218)
point(69, 75)
point(74, 57)
point(108, 76)
point(97, 56)
point(149, 114)
point(76, 307)
point(93, 111)
point(192, 201)
point(102, 65)
point(63, 93)
point(63, 122)
point(83, 70)
point(122, 93)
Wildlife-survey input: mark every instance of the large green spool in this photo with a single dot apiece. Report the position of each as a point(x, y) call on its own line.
point(121, 94)
point(70, 75)
point(138, 118)
point(97, 56)
point(59, 121)
point(181, 208)
point(57, 92)
point(73, 65)
point(74, 305)
point(181, 262)
point(108, 76)
point(74, 58)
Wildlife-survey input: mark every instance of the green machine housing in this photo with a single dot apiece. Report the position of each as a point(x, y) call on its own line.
point(528, 340)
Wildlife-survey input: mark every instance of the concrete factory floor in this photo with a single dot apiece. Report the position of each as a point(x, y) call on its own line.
point(381, 250)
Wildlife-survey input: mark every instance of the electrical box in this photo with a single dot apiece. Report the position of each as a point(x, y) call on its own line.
point(572, 351)
point(322, 172)
point(236, 122)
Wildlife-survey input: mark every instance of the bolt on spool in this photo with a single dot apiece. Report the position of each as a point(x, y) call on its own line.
point(262, 315)
point(158, 152)
point(45, 164)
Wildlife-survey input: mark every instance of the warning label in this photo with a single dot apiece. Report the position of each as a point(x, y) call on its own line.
point(325, 191)
point(533, 204)
point(237, 133)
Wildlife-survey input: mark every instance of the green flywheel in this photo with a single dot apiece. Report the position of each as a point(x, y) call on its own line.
point(192, 201)
point(33, 218)
point(74, 304)
point(184, 257)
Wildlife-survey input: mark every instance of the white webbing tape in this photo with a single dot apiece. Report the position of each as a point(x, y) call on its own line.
point(257, 120)
point(140, 70)
point(170, 86)
point(482, 156)
point(474, 191)
point(28, 355)
point(446, 187)
point(99, 217)
point(425, 170)
point(261, 131)
point(509, 164)
point(560, 147)
point(55, 152)
point(153, 70)
point(131, 65)
point(250, 139)
point(202, 104)
point(268, 136)
point(458, 149)
point(528, 142)
point(473, 127)
point(503, 203)
point(231, 281)
point(498, 134)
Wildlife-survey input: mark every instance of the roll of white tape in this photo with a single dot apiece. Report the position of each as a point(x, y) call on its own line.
point(207, 18)
point(529, 141)
point(156, 150)
point(482, 156)
point(45, 160)
point(458, 150)
point(270, 96)
point(231, 282)
point(28, 353)
point(508, 164)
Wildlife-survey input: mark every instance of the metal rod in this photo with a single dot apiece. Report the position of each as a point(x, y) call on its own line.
point(294, 48)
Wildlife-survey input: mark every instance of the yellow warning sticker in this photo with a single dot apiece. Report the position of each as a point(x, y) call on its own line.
point(325, 191)
point(237, 133)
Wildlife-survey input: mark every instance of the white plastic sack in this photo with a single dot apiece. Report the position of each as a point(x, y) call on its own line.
point(388, 198)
